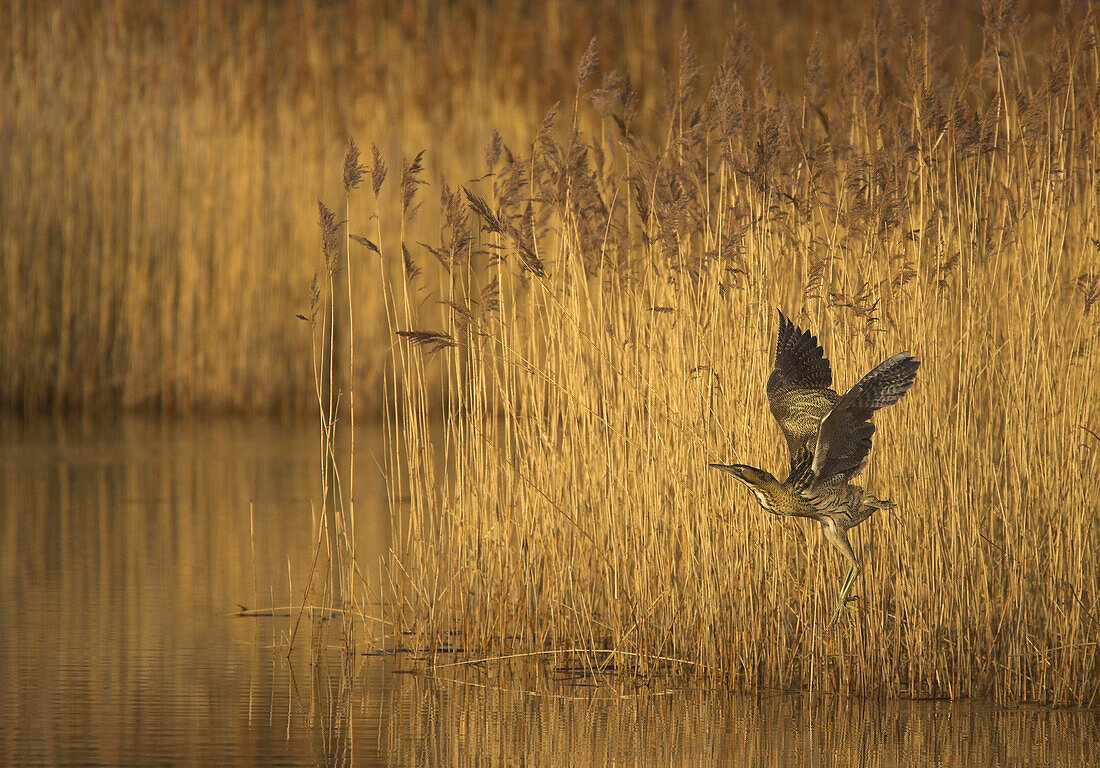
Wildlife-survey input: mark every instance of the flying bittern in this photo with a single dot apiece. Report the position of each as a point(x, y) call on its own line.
point(828, 436)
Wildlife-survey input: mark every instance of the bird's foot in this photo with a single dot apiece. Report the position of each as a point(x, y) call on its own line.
point(850, 604)
point(836, 618)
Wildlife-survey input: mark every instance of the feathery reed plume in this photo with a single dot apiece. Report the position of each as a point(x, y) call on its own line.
point(1088, 285)
point(366, 243)
point(434, 341)
point(412, 269)
point(410, 182)
point(330, 243)
point(492, 151)
point(377, 171)
point(589, 62)
point(353, 169)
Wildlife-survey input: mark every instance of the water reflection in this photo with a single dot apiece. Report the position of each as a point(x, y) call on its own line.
point(466, 725)
point(122, 543)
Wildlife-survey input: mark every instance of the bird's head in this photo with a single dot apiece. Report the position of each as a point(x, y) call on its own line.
point(746, 474)
point(758, 481)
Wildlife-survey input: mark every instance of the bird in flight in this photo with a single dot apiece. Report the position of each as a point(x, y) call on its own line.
point(828, 436)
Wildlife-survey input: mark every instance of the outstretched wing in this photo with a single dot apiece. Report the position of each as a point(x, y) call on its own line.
point(844, 439)
point(800, 362)
point(799, 391)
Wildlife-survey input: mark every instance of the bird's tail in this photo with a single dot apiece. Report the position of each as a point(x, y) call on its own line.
point(870, 505)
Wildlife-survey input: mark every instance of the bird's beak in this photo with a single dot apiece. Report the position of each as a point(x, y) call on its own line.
point(732, 469)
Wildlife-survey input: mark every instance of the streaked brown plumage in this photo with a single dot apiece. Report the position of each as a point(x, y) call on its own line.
point(828, 436)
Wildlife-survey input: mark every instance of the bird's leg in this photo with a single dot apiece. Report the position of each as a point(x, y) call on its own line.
point(845, 589)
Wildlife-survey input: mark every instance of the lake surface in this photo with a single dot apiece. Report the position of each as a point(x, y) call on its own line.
point(123, 544)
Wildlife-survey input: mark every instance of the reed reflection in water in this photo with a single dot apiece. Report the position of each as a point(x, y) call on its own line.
point(467, 725)
point(122, 543)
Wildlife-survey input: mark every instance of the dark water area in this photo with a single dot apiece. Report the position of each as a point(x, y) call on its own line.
point(124, 544)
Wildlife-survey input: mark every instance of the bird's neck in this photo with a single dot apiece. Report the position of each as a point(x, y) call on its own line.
point(765, 492)
point(780, 498)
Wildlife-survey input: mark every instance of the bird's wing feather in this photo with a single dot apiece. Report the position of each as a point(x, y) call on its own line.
point(801, 476)
point(799, 393)
point(844, 439)
point(800, 362)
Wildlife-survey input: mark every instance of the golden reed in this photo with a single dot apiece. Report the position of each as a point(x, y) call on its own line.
point(592, 317)
point(603, 327)
point(159, 164)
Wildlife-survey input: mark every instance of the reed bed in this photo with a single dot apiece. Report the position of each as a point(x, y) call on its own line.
point(585, 296)
point(600, 317)
point(159, 163)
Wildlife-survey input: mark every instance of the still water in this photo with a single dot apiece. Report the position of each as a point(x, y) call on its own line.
point(124, 544)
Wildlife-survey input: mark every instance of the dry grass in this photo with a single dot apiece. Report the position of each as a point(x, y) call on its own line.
point(595, 318)
point(159, 161)
point(603, 325)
